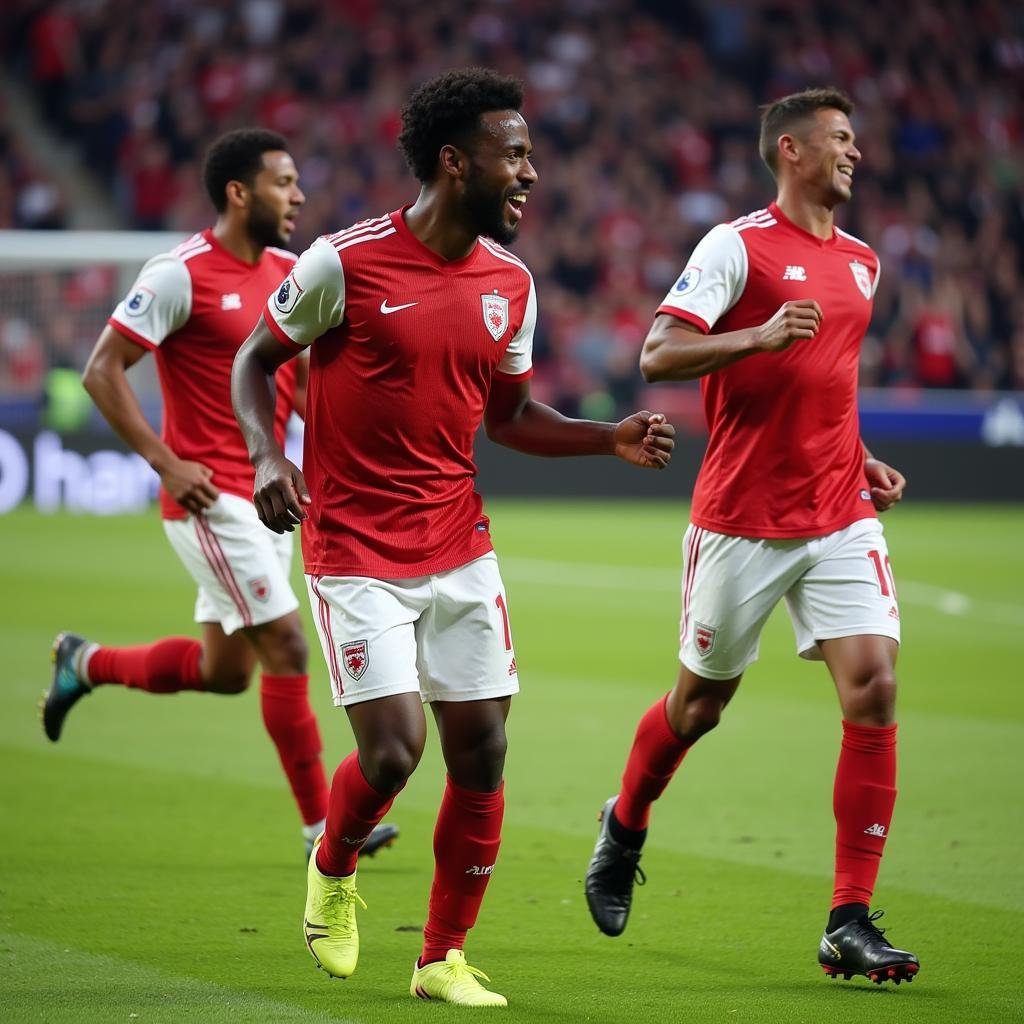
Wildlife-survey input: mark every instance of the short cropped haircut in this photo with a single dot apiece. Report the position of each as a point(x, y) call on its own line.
point(447, 111)
point(786, 113)
point(237, 156)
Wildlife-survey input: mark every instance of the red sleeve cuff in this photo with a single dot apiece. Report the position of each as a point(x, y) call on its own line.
point(690, 318)
point(525, 375)
point(278, 332)
point(150, 346)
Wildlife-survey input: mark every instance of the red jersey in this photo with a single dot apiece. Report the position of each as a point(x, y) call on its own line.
point(194, 306)
point(784, 458)
point(405, 345)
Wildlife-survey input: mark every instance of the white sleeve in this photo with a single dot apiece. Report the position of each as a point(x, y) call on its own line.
point(878, 275)
point(713, 280)
point(311, 299)
point(518, 357)
point(159, 303)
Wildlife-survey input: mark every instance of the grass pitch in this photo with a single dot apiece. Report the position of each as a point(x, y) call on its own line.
point(152, 864)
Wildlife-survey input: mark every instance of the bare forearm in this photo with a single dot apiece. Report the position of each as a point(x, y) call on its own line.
point(115, 399)
point(540, 430)
point(686, 355)
point(253, 397)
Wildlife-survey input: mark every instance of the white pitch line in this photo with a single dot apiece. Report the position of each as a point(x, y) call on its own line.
point(635, 577)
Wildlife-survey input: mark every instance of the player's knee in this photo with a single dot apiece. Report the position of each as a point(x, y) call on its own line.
point(387, 768)
point(227, 681)
point(283, 648)
point(294, 650)
point(873, 696)
point(695, 717)
point(482, 767)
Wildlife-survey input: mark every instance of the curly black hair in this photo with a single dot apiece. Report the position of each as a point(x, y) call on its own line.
point(237, 156)
point(784, 114)
point(447, 110)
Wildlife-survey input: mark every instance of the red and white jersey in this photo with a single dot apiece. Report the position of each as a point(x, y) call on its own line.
point(784, 458)
point(407, 345)
point(194, 306)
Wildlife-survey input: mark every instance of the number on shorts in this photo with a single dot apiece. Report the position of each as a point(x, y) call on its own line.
point(886, 583)
point(500, 602)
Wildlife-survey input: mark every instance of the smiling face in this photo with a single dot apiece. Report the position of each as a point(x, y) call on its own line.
point(822, 156)
point(275, 199)
point(499, 176)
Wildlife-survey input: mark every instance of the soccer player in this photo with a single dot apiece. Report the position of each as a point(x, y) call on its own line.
point(420, 325)
point(193, 307)
point(770, 313)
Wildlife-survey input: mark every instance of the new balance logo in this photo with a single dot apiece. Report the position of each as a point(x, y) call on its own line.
point(231, 301)
point(875, 830)
point(477, 870)
point(794, 273)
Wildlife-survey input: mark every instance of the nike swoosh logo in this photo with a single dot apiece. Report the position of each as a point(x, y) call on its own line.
point(385, 308)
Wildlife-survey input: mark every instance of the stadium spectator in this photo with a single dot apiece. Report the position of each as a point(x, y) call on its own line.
point(647, 107)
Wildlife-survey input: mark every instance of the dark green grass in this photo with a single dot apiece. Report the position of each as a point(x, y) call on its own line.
point(152, 865)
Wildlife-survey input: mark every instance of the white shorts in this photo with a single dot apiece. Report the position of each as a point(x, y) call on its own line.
point(837, 585)
point(445, 636)
point(240, 567)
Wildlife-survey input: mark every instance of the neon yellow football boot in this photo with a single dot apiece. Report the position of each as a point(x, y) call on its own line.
point(329, 924)
point(452, 980)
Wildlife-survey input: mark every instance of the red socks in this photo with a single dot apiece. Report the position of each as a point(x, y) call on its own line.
point(355, 809)
point(863, 799)
point(167, 666)
point(466, 841)
point(292, 726)
point(656, 754)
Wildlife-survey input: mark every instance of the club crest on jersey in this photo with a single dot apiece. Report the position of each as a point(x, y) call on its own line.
point(704, 638)
point(355, 656)
point(495, 309)
point(688, 280)
point(287, 295)
point(862, 277)
point(139, 301)
point(259, 587)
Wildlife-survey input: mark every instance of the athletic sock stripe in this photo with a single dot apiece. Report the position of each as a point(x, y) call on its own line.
point(324, 614)
point(221, 567)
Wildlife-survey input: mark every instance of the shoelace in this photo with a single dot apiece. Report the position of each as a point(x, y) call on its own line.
point(870, 930)
point(459, 968)
point(624, 869)
point(342, 895)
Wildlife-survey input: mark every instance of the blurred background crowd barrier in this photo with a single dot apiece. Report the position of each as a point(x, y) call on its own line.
point(644, 121)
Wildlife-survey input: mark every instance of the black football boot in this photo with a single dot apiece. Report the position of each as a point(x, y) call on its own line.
point(611, 873)
point(860, 948)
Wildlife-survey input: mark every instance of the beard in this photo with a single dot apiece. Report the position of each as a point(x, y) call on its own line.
point(265, 225)
point(485, 210)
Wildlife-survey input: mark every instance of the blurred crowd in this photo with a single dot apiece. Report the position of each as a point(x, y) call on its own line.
point(644, 120)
